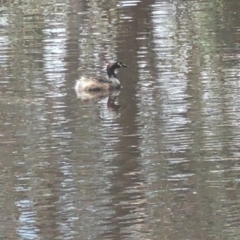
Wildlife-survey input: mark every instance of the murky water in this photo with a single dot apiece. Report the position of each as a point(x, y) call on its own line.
point(157, 160)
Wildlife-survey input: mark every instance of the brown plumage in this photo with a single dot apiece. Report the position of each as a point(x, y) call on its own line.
point(88, 83)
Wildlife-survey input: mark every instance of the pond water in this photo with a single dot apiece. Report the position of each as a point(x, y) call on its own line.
point(157, 160)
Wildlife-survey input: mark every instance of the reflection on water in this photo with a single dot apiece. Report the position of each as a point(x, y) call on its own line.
point(95, 96)
point(156, 160)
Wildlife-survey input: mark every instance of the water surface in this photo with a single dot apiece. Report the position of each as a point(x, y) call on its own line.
point(164, 165)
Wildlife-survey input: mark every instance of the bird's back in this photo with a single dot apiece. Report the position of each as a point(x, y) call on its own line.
point(91, 83)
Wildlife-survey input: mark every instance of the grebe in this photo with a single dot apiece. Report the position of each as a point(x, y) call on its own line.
point(88, 83)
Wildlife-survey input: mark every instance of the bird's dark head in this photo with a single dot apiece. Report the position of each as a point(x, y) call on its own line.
point(114, 65)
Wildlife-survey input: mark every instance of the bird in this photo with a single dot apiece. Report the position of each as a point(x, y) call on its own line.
point(90, 83)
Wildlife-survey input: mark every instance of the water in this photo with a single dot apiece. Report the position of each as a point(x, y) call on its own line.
point(157, 160)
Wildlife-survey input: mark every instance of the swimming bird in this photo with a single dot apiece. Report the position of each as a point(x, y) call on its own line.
point(90, 83)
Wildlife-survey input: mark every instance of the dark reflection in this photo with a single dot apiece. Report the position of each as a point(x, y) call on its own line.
point(111, 103)
point(128, 185)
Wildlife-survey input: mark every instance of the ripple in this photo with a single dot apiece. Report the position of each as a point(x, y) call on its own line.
point(157, 159)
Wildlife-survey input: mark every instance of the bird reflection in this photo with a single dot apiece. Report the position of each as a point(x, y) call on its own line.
point(95, 96)
point(111, 105)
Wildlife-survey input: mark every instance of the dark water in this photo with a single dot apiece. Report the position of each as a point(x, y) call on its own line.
point(163, 166)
